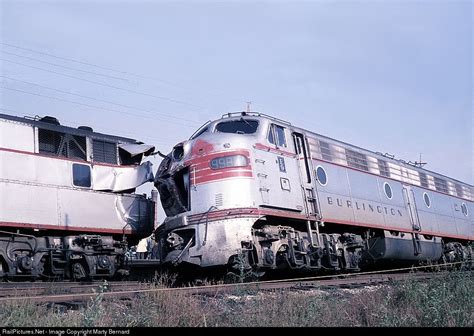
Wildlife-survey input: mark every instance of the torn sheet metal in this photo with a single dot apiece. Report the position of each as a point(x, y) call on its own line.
point(118, 179)
point(136, 149)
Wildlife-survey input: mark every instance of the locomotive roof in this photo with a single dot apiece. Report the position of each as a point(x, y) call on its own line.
point(367, 151)
point(400, 162)
point(67, 129)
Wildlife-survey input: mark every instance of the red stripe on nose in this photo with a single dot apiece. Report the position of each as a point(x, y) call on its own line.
point(212, 175)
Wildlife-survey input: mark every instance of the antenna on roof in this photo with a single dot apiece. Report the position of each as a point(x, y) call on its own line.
point(420, 163)
point(248, 106)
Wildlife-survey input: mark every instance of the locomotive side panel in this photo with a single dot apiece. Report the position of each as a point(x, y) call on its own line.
point(27, 205)
point(427, 215)
point(17, 136)
point(43, 191)
point(406, 210)
point(335, 194)
point(35, 169)
point(369, 205)
point(463, 217)
point(51, 208)
point(443, 205)
point(111, 213)
point(394, 208)
point(351, 197)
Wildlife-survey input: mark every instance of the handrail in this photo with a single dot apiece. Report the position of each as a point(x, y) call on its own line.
point(254, 114)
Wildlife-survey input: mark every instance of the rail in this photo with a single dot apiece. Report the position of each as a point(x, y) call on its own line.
point(133, 289)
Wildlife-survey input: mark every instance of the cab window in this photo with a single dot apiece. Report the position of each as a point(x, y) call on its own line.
point(276, 136)
point(241, 126)
point(81, 175)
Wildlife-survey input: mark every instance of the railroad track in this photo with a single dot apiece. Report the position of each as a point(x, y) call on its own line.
point(81, 292)
point(59, 288)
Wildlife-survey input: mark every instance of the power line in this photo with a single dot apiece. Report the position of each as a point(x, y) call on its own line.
point(100, 100)
point(73, 60)
point(90, 106)
point(102, 84)
point(114, 131)
point(65, 67)
point(109, 69)
point(94, 65)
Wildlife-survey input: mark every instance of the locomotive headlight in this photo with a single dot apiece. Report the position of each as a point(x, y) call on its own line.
point(229, 161)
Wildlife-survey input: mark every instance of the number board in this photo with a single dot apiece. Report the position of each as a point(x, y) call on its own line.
point(281, 164)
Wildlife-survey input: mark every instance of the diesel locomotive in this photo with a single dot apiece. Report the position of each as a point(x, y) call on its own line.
point(68, 207)
point(253, 192)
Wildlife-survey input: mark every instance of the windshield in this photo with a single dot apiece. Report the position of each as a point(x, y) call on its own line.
point(241, 126)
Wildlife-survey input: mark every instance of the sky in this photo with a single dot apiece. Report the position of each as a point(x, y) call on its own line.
point(390, 76)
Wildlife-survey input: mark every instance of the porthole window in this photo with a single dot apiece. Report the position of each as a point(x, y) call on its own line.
point(464, 209)
point(321, 176)
point(427, 199)
point(388, 190)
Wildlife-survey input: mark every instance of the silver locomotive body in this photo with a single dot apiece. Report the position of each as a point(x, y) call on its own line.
point(67, 200)
point(254, 192)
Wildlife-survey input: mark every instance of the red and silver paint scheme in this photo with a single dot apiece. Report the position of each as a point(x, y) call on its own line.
point(252, 190)
point(67, 199)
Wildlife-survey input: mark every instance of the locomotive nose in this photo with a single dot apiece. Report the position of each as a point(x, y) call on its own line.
point(172, 181)
point(170, 161)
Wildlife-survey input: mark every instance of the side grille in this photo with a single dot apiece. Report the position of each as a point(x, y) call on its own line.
point(219, 200)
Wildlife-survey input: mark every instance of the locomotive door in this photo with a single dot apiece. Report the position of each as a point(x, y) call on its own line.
point(277, 172)
point(410, 204)
point(305, 168)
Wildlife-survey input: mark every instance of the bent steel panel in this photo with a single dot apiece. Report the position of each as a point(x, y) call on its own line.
point(40, 190)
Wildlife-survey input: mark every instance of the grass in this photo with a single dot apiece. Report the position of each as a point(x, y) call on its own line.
point(445, 301)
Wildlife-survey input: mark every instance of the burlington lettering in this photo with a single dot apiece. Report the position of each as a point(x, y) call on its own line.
point(364, 207)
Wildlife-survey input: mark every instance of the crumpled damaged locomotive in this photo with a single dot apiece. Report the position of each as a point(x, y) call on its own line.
point(68, 207)
point(253, 192)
